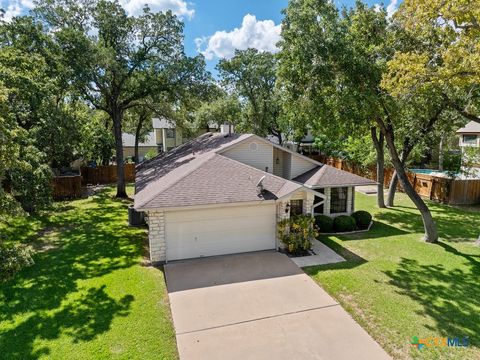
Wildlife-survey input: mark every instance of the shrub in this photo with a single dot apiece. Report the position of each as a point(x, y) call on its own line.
point(324, 223)
point(362, 219)
point(13, 259)
point(297, 233)
point(344, 223)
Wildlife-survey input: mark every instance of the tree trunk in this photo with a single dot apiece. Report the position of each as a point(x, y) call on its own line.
point(392, 189)
point(379, 147)
point(431, 233)
point(117, 116)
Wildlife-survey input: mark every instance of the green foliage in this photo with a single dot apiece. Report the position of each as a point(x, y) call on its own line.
point(97, 141)
point(224, 109)
point(13, 258)
point(297, 232)
point(150, 155)
point(470, 159)
point(131, 59)
point(251, 75)
point(362, 219)
point(344, 223)
point(452, 162)
point(324, 223)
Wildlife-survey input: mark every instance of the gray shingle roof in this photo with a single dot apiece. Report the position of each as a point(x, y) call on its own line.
point(162, 123)
point(194, 174)
point(128, 140)
point(471, 127)
point(326, 176)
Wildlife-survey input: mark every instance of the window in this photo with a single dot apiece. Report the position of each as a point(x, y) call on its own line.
point(253, 146)
point(319, 208)
point(170, 133)
point(338, 200)
point(470, 139)
point(296, 207)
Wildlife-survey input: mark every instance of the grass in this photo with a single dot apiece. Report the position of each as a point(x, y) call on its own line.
point(397, 286)
point(88, 295)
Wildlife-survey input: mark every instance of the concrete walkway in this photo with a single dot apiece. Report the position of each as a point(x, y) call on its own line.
point(323, 255)
point(259, 306)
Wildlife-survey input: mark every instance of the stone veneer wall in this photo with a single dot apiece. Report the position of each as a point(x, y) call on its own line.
point(156, 236)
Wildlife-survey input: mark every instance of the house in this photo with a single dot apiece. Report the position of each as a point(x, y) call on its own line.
point(305, 145)
point(149, 145)
point(169, 136)
point(224, 193)
point(469, 139)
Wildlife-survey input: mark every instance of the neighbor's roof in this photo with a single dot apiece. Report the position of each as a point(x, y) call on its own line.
point(128, 140)
point(194, 174)
point(327, 176)
point(471, 127)
point(162, 123)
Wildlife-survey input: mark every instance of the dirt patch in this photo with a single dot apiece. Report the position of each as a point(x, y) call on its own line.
point(48, 238)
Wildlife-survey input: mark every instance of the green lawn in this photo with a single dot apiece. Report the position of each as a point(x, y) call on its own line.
point(397, 286)
point(88, 295)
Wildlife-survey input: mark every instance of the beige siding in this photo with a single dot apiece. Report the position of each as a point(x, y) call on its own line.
point(300, 166)
point(254, 153)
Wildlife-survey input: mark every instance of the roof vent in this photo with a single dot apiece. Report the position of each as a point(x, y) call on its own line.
point(260, 187)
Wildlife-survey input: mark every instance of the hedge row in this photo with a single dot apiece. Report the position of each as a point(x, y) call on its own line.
point(359, 220)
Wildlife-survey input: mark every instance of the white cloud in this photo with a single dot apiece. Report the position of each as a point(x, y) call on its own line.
point(14, 8)
point(392, 7)
point(262, 35)
point(179, 7)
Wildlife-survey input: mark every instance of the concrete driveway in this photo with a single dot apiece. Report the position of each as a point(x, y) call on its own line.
point(259, 306)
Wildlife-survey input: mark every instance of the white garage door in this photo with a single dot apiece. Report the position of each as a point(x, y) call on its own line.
point(208, 232)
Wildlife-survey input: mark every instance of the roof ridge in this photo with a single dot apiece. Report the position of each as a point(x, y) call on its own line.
point(275, 146)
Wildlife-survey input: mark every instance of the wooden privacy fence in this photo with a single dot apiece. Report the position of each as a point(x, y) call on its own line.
point(445, 190)
point(66, 187)
point(105, 174)
point(70, 187)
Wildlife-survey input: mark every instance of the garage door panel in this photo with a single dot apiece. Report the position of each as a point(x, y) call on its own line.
point(209, 232)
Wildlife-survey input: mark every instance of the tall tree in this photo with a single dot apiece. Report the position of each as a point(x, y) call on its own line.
point(118, 60)
point(331, 67)
point(337, 62)
point(443, 53)
point(252, 76)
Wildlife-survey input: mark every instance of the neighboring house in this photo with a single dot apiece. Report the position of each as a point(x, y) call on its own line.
point(222, 194)
point(148, 145)
point(470, 138)
point(305, 145)
point(168, 136)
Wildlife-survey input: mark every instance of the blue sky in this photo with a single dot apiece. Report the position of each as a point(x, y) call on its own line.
point(214, 27)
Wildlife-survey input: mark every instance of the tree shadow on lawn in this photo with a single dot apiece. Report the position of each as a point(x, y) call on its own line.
point(379, 229)
point(453, 224)
point(448, 296)
point(93, 242)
